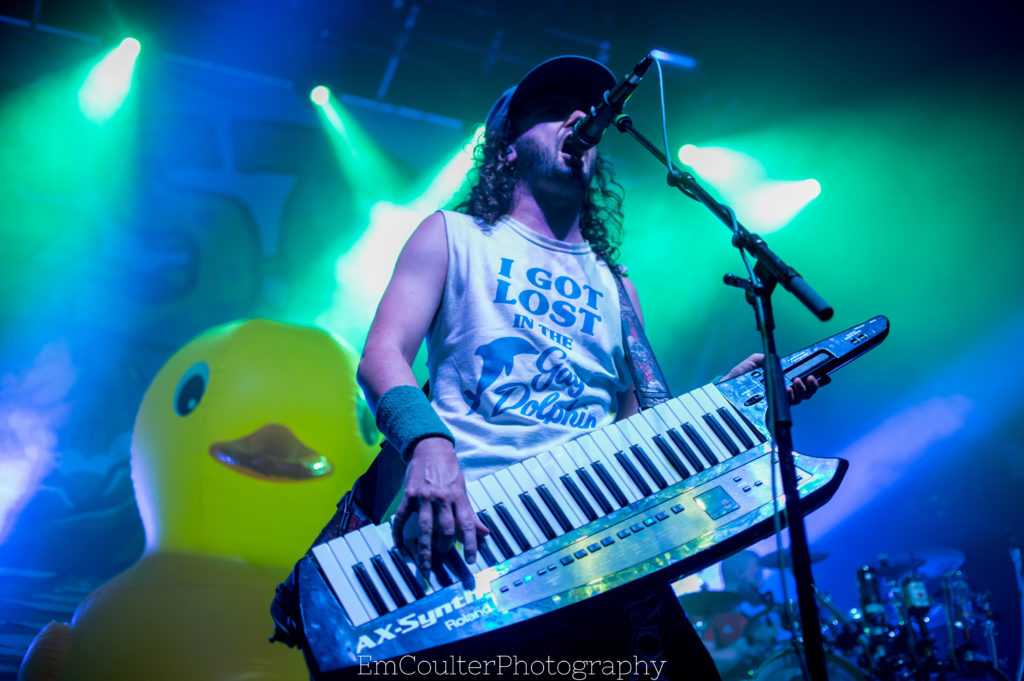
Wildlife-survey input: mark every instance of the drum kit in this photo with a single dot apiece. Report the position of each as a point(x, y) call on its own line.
point(918, 619)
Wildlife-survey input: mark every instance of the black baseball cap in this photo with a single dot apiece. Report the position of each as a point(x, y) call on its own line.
point(582, 78)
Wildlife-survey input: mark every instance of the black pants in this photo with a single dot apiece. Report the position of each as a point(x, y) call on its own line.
point(637, 632)
point(637, 629)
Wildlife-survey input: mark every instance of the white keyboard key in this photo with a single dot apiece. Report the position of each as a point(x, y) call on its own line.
point(340, 584)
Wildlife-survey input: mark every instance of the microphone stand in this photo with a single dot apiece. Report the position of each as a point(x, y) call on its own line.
point(769, 271)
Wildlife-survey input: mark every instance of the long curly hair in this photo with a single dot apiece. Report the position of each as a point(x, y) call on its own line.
point(489, 190)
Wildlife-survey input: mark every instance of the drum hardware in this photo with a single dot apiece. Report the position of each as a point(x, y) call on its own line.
point(869, 589)
point(990, 639)
point(878, 637)
point(913, 605)
point(905, 602)
point(926, 563)
point(841, 632)
point(896, 632)
point(782, 559)
point(897, 605)
point(965, 613)
point(915, 596)
point(879, 651)
point(889, 568)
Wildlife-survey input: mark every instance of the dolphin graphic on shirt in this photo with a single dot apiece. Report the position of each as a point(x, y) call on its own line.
point(498, 356)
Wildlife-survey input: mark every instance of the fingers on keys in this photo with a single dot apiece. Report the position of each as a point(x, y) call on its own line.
point(451, 521)
point(426, 533)
point(398, 522)
point(468, 527)
point(445, 519)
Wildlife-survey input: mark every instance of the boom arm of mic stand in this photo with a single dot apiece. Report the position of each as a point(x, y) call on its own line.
point(785, 275)
point(770, 270)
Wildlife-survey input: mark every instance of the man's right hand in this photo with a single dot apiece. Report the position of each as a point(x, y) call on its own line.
point(435, 492)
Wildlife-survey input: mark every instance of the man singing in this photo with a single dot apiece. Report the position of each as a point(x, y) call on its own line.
point(516, 297)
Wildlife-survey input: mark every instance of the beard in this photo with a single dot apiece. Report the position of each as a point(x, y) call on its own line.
point(542, 167)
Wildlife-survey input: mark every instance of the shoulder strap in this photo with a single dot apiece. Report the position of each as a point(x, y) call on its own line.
point(648, 380)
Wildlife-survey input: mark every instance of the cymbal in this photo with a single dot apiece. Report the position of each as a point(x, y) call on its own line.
point(921, 562)
point(771, 560)
point(888, 568)
point(707, 602)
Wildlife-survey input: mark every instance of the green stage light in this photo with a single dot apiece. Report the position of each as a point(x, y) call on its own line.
point(320, 95)
point(762, 204)
point(451, 175)
point(720, 165)
point(774, 204)
point(363, 164)
point(108, 83)
point(131, 46)
point(363, 272)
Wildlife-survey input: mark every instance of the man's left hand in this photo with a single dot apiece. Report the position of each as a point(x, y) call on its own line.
point(802, 388)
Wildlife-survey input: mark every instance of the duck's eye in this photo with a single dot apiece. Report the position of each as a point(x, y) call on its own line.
point(191, 388)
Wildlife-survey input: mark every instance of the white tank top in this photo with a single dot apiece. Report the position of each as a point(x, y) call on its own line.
point(526, 349)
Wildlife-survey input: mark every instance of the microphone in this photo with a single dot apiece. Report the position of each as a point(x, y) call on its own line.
point(588, 130)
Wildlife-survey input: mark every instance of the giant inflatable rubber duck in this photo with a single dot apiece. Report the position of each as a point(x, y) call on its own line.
point(243, 445)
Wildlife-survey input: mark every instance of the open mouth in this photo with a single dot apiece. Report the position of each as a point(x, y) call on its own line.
point(272, 453)
point(569, 155)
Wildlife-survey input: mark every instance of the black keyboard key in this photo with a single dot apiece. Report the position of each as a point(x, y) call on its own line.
point(717, 429)
point(407, 576)
point(580, 554)
point(443, 578)
point(538, 517)
point(699, 442)
point(756, 431)
point(578, 497)
point(363, 577)
point(609, 482)
point(484, 550)
point(549, 500)
point(672, 457)
point(496, 536)
point(679, 442)
point(734, 426)
point(594, 490)
point(458, 568)
point(633, 473)
point(513, 527)
point(648, 465)
point(389, 582)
